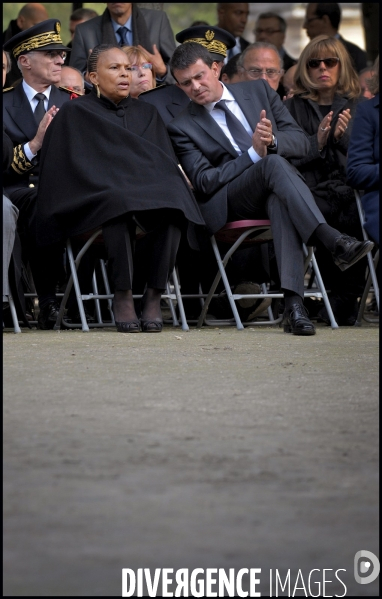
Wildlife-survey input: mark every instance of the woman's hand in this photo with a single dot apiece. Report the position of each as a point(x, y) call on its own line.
point(36, 143)
point(156, 60)
point(324, 130)
point(342, 124)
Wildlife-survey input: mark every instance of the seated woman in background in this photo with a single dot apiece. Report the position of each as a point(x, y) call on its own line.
point(143, 76)
point(107, 161)
point(326, 94)
point(363, 155)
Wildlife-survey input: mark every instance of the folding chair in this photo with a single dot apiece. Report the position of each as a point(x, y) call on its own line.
point(371, 280)
point(254, 231)
point(74, 263)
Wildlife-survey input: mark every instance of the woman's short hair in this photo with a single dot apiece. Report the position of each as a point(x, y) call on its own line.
point(324, 46)
point(373, 82)
point(96, 53)
point(135, 54)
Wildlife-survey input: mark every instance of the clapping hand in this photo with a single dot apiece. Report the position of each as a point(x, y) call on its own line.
point(324, 130)
point(36, 143)
point(262, 136)
point(156, 60)
point(342, 124)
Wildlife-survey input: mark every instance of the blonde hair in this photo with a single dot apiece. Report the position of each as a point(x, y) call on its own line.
point(320, 47)
point(135, 54)
point(373, 82)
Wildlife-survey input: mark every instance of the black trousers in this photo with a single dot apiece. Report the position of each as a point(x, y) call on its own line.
point(272, 187)
point(157, 260)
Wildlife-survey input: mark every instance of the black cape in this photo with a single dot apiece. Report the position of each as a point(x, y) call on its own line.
point(99, 161)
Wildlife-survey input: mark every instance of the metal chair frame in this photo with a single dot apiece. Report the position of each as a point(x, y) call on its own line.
point(260, 230)
point(372, 280)
point(74, 263)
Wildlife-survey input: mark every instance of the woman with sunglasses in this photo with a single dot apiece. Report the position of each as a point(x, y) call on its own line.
point(326, 94)
point(143, 76)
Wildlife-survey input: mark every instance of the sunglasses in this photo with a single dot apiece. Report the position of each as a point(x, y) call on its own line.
point(330, 63)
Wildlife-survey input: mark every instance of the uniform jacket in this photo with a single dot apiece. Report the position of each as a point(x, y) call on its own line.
point(149, 27)
point(169, 100)
point(363, 161)
point(20, 125)
point(209, 159)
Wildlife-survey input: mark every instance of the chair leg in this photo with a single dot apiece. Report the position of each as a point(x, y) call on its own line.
point(324, 295)
point(76, 284)
point(107, 289)
point(15, 320)
point(179, 299)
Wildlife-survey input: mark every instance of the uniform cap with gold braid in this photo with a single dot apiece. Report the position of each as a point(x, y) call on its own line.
point(43, 36)
point(216, 40)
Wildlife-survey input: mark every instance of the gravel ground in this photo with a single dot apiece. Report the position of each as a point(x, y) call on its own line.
point(215, 448)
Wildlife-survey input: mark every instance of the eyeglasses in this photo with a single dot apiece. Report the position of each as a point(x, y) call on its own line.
point(256, 73)
point(267, 31)
point(51, 54)
point(330, 63)
point(144, 65)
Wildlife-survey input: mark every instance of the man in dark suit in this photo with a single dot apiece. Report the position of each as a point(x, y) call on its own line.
point(271, 27)
point(232, 142)
point(233, 16)
point(28, 110)
point(323, 18)
point(127, 25)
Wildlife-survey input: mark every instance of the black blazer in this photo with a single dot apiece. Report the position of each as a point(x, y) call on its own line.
point(209, 159)
point(169, 100)
point(20, 125)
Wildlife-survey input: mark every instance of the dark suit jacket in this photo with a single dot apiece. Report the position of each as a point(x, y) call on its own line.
point(20, 126)
point(288, 61)
point(14, 73)
point(209, 159)
point(149, 27)
point(363, 161)
point(169, 100)
point(358, 56)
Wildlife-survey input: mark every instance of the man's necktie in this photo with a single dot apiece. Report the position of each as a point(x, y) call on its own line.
point(238, 132)
point(123, 33)
point(40, 108)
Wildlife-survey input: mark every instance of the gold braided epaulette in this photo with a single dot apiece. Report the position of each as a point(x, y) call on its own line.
point(7, 89)
point(20, 163)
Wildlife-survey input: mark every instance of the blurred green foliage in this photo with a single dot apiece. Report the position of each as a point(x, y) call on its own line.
point(180, 15)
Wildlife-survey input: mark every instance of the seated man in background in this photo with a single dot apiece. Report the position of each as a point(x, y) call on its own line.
point(261, 60)
point(72, 79)
point(232, 142)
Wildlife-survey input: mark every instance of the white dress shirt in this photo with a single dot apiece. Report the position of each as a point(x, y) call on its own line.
point(219, 116)
point(30, 94)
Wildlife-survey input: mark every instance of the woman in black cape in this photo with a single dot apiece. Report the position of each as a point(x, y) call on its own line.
point(107, 160)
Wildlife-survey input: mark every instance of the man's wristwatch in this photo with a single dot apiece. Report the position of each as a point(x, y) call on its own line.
point(273, 146)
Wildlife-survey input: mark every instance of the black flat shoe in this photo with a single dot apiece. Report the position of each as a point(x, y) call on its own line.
point(348, 250)
point(128, 327)
point(48, 316)
point(152, 326)
point(297, 321)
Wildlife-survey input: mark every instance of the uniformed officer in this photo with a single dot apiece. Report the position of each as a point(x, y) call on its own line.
point(28, 109)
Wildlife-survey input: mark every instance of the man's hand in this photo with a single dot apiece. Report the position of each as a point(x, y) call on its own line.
point(156, 60)
point(262, 136)
point(36, 143)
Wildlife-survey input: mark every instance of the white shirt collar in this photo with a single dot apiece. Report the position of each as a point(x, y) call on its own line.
point(226, 95)
point(30, 92)
point(116, 26)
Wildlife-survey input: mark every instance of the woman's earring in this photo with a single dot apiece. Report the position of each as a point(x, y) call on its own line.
point(98, 92)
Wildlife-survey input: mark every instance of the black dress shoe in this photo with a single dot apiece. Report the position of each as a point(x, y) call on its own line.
point(296, 321)
point(154, 325)
point(348, 250)
point(48, 316)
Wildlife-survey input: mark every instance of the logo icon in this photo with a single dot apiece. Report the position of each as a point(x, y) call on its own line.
point(365, 562)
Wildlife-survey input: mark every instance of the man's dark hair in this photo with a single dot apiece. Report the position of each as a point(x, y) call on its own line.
point(83, 13)
point(187, 54)
point(332, 9)
point(273, 15)
point(231, 68)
